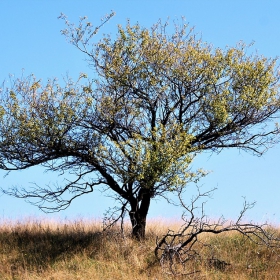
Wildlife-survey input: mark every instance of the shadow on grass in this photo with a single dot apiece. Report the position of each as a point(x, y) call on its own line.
point(37, 250)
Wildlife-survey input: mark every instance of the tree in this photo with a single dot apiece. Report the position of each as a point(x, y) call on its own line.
point(156, 100)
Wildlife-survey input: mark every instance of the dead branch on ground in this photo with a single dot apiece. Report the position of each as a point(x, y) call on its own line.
point(186, 251)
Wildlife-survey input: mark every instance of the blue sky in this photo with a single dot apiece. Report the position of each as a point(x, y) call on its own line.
point(31, 40)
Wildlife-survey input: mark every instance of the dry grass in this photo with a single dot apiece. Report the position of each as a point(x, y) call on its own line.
point(79, 250)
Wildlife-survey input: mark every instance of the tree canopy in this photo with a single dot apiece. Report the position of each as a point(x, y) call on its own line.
point(155, 100)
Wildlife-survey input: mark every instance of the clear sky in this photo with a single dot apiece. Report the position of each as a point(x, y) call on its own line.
point(31, 40)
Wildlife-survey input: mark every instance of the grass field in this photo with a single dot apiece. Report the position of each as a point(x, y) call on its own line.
point(80, 250)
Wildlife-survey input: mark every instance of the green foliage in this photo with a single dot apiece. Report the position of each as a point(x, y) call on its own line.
point(157, 99)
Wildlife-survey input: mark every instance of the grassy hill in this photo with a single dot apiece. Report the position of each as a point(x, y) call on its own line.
point(80, 250)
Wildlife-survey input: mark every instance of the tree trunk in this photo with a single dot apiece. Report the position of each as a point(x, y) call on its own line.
point(138, 226)
point(138, 216)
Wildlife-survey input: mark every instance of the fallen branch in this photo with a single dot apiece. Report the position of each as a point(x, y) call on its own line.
point(181, 252)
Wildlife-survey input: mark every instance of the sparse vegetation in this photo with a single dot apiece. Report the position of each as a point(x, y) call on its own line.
point(80, 250)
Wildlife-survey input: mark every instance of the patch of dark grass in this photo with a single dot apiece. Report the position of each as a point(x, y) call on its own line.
point(39, 248)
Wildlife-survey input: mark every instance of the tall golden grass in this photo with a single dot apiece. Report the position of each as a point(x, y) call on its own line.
point(80, 250)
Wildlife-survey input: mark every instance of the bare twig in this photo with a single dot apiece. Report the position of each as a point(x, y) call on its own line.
point(176, 249)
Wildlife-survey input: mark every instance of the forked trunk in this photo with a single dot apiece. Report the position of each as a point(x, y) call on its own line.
point(138, 217)
point(138, 226)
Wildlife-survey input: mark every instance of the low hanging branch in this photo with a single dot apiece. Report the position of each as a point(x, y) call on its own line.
point(182, 252)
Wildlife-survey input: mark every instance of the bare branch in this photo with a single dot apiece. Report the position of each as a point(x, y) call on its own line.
point(175, 250)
